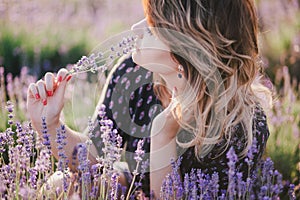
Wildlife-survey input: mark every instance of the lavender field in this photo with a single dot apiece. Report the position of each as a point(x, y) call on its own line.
point(44, 35)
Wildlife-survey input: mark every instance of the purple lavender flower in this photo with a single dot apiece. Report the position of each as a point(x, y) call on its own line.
point(214, 184)
point(46, 136)
point(186, 184)
point(292, 195)
point(74, 155)
point(62, 161)
point(101, 111)
point(86, 177)
point(10, 109)
point(43, 162)
point(250, 154)
point(175, 176)
point(83, 167)
point(263, 192)
point(29, 139)
point(139, 152)
point(94, 192)
point(201, 182)
point(10, 137)
point(61, 141)
point(232, 157)
point(112, 145)
point(172, 183)
point(21, 135)
point(166, 191)
point(114, 186)
point(82, 157)
point(144, 168)
point(91, 128)
point(96, 169)
point(3, 142)
point(267, 169)
point(277, 187)
point(194, 193)
point(222, 197)
point(240, 185)
point(27, 193)
point(33, 173)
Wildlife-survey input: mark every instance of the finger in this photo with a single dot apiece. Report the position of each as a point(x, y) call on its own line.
point(61, 75)
point(42, 91)
point(33, 92)
point(60, 90)
point(49, 82)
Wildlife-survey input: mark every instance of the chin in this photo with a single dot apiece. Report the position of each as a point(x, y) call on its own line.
point(133, 55)
point(138, 58)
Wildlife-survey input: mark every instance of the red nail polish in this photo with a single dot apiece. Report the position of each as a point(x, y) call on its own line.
point(59, 78)
point(69, 77)
point(45, 102)
point(37, 96)
point(49, 93)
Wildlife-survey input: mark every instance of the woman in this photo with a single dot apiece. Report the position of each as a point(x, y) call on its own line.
point(205, 57)
point(213, 66)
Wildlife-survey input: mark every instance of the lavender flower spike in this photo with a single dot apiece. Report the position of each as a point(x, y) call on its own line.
point(10, 109)
point(232, 157)
point(100, 60)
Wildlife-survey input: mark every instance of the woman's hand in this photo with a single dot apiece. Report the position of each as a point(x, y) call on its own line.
point(45, 98)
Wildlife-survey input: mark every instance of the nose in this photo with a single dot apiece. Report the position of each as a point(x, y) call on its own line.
point(139, 28)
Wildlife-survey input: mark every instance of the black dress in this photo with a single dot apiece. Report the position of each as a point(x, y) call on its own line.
point(131, 104)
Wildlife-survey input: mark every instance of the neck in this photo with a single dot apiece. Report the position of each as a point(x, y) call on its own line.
point(172, 80)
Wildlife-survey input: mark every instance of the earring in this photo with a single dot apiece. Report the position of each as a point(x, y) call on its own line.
point(180, 70)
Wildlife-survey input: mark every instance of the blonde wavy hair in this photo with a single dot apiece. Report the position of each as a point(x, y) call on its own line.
point(216, 42)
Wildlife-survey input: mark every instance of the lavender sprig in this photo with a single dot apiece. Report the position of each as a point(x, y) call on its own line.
point(83, 167)
point(10, 109)
point(101, 60)
point(3, 142)
point(63, 159)
point(232, 157)
point(139, 154)
point(46, 136)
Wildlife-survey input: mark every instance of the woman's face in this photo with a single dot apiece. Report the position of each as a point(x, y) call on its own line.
point(151, 53)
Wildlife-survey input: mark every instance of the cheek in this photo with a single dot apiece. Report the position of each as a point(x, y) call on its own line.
point(153, 55)
point(150, 56)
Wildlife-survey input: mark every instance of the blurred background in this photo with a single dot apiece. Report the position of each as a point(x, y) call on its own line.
point(44, 35)
point(48, 34)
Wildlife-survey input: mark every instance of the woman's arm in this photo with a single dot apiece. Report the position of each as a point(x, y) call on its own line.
point(73, 138)
point(162, 148)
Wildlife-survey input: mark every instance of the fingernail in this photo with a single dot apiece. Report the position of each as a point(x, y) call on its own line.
point(59, 78)
point(37, 96)
point(49, 93)
point(45, 102)
point(69, 77)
